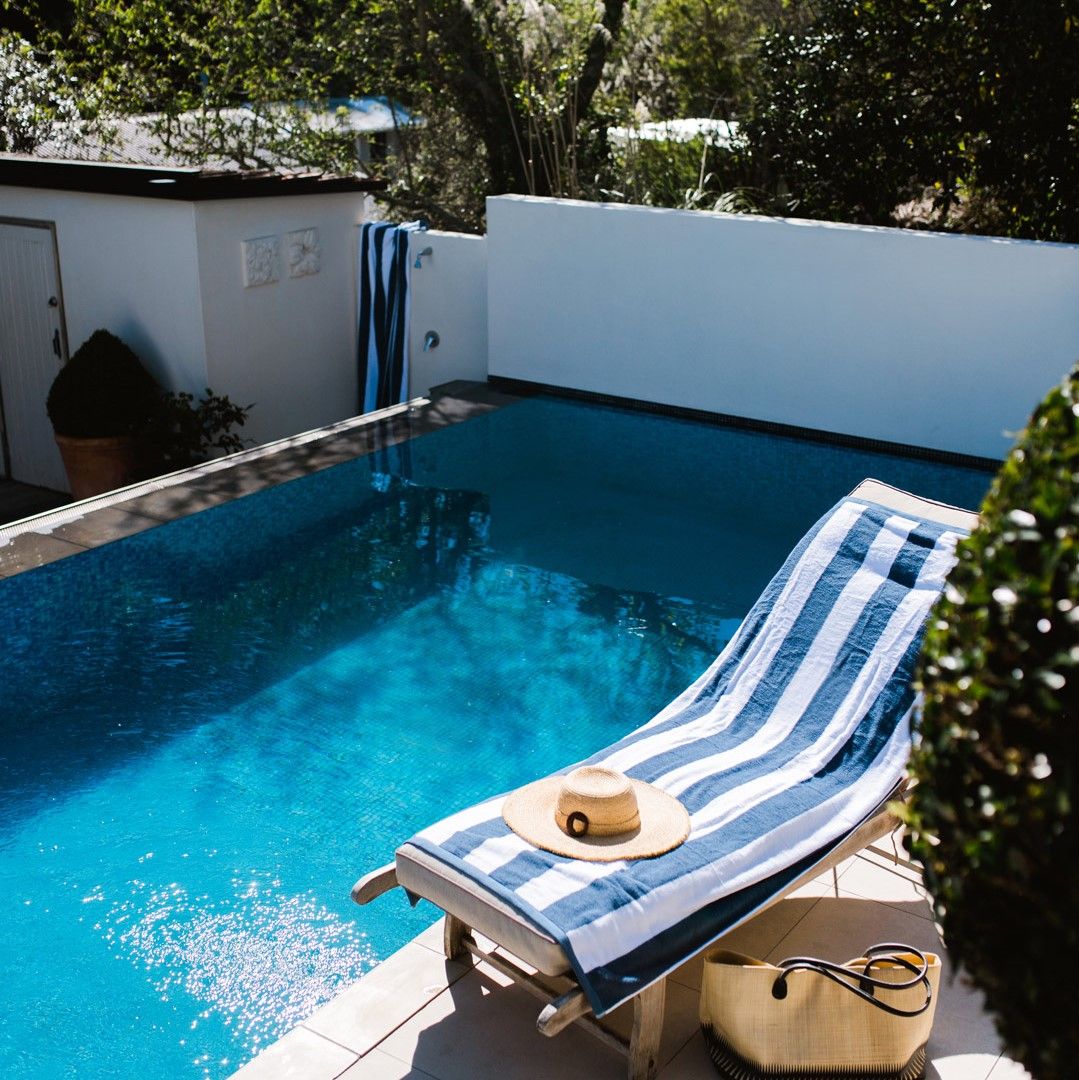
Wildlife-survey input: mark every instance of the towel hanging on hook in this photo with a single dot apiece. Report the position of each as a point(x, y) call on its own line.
point(384, 311)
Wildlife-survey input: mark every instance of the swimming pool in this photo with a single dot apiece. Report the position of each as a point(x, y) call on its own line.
point(211, 728)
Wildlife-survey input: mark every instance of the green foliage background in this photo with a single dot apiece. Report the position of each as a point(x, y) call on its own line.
point(966, 109)
point(993, 815)
point(946, 114)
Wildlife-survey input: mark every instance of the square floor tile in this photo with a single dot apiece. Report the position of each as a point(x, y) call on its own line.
point(103, 526)
point(761, 934)
point(29, 550)
point(1006, 1069)
point(379, 1066)
point(692, 1062)
point(372, 1007)
point(959, 1066)
point(873, 879)
point(484, 1028)
point(680, 1019)
point(299, 1055)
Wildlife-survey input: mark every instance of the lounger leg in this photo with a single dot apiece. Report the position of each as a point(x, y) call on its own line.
point(647, 1028)
point(452, 936)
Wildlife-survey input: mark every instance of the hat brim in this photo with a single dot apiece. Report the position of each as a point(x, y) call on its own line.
point(530, 812)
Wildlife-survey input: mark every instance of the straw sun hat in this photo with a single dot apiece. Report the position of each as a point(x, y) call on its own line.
point(597, 814)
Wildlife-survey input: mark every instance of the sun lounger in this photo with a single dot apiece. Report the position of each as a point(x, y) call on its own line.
point(786, 753)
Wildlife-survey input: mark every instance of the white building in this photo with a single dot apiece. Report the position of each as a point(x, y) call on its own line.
point(242, 282)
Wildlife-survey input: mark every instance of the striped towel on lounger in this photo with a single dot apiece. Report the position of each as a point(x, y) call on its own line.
point(795, 735)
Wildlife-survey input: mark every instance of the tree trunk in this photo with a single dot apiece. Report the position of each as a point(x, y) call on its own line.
point(472, 79)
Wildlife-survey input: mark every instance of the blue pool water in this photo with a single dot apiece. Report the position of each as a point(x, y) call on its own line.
point(210, 729)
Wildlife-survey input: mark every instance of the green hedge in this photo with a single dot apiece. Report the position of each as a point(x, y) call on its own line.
point(992, 817)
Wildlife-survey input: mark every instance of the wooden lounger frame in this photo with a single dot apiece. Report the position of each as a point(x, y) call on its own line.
point(562, 1008)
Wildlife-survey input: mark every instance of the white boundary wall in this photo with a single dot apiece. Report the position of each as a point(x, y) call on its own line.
point(449, 296)
point(934, 340)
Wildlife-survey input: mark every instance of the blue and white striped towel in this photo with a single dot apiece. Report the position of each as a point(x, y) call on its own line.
point(384, 311)
point(794, 735)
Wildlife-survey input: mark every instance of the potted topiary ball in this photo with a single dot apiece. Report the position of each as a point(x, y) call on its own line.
point(993, 814)
point(102, 404)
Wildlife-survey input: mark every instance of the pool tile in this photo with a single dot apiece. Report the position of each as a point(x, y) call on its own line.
point(179, 501)
point(164, 499)
point(370, 1009)
point(104, 525)
point(29, 550)
point(300, 1055)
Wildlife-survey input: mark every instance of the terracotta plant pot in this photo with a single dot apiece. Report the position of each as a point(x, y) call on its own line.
point(95, 466)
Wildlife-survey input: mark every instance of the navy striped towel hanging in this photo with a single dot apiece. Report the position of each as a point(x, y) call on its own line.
point(384, 308)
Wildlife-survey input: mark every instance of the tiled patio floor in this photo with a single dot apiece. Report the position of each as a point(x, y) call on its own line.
point(419, 1016)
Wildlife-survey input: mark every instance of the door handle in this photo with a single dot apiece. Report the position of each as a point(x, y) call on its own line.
point(56, 343)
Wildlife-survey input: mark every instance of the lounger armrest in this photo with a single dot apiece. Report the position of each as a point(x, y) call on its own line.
point(375, 884)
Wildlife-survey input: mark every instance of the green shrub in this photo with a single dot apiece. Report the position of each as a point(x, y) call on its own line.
point(992, 816)
point(103, 391)
point(192, 431)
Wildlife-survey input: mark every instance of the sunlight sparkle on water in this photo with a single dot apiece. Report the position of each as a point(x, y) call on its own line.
point(261, 962)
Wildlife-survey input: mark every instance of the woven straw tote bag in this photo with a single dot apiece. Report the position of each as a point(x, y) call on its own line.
point(812, 1019)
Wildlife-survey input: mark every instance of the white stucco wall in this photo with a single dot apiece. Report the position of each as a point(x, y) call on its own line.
point(449, 296)
point(286, 347)
point(939, 341)
point(128, 265)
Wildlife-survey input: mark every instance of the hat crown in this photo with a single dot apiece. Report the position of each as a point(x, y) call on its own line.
point(604, 797)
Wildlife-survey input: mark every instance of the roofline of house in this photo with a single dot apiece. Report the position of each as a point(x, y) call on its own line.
point(157, 182)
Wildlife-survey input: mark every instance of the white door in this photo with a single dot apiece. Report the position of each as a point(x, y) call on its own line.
point(32, 349)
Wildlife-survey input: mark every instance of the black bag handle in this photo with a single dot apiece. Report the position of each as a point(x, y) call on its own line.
point(867, 983)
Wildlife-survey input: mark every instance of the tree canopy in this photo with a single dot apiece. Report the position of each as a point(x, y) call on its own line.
point(960, 114)
point(953, 114)
point(37, 99)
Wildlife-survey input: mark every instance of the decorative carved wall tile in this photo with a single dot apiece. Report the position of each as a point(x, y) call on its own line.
point(304, 252)
point(261, 255)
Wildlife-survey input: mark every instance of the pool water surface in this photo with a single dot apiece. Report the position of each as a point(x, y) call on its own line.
point(212, 728)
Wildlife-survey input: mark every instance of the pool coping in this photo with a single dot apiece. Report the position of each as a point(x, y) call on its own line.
point(84, 525)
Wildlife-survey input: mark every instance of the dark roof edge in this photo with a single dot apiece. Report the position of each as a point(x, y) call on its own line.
point(158, 182)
